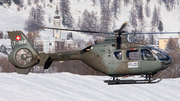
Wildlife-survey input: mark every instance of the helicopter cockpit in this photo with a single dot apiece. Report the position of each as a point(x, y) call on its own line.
point(165, 59)
point(160, 55)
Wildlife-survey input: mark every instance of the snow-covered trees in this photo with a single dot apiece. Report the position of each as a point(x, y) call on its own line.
point(147, 9)
point(19, 2)
point(105, 15)
point(35, 20)
point(32, 24)
point(116, 8)
point(90, 21)
point(67, 19)
point(126, 2)
point(155, 19)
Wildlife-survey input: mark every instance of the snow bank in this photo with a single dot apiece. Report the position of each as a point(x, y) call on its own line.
point(71, 87)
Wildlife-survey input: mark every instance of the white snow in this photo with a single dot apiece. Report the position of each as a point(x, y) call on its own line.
point(11, 19)
point(71, 87)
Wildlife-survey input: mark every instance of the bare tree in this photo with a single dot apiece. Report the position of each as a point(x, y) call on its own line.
point(33, 37)
point(5, 65)
point(1, 35)
point(172, 50)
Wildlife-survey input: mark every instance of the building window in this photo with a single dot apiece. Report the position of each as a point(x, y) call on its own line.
point(57, 31)
point(50, 44)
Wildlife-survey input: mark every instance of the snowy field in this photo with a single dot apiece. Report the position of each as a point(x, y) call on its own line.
point(71, 87)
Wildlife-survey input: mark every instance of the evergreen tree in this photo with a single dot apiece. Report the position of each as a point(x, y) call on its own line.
point(29, 2)
point(105, 15)
point(35, 20)
point(36, 1)
point(126, 2)
point(155, 19)
point(94, 2)
point(19, 2)
point(160, 27)
point(133, 18)
point(89, 21)
point(67, 19)
point(148, 12)
point(116, 7)
point(50, 1)
point(169, 4)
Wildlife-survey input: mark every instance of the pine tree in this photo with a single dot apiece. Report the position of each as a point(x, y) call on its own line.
point(155, 19)
point(35, 20)
point(36, 1)
point(89, 21)
point(133, 18)
point(169, 4)
point(19, 2)
point(105, 15)
point(126, 2)
point(67, 19)
point(160, 27)
point(50, 1)
point(94, 2)
point(148, 12)
point(116, 7)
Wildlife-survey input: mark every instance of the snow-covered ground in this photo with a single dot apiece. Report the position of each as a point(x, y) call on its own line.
point(71, 87)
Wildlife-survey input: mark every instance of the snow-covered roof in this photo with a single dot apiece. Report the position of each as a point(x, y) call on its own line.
point(167, 36)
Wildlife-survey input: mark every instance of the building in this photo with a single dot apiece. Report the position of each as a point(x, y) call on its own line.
point(57, 24)
point(163, 40)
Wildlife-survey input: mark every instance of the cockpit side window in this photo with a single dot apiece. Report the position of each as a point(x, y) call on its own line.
point(118, 55)
point(147, 55)
point(159, 54)
point(133, 54)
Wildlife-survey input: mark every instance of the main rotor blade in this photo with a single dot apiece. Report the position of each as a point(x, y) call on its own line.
point(122, 27)
point(78, 30)
point(155, 33)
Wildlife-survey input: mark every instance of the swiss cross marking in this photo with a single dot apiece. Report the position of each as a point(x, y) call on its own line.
point(18, 38)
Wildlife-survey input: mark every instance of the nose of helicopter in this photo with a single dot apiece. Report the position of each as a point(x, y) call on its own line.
point(167, 63)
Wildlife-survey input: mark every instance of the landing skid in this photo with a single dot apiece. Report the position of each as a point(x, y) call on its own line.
point(145, 81)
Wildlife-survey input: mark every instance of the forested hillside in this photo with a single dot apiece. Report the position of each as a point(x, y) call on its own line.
point(95, 15)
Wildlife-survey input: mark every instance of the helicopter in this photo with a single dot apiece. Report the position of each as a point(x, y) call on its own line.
point(115, 57)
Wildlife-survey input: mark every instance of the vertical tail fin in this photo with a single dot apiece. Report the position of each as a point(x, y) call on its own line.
point(24, 56)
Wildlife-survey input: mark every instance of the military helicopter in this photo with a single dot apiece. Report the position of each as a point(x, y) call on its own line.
point(115, 57)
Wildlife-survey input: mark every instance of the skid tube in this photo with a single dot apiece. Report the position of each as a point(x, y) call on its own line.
point(147, 80)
